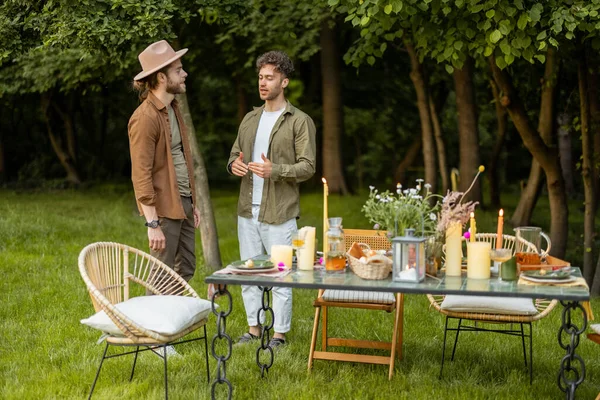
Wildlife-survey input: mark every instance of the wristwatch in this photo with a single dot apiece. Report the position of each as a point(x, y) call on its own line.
point(153, 224)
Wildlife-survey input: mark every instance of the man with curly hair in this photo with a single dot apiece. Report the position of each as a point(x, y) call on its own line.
point(274, 151)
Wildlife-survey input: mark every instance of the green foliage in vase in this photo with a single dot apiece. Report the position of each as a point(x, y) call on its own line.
point(407, 208)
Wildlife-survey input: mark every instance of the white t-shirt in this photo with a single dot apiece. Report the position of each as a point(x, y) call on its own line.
point(261, 146)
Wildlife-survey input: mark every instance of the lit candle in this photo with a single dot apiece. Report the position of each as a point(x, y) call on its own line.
point(473, 229)
point(325, 221)
point(500, 229)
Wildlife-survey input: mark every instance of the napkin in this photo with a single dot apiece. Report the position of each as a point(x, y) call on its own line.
point(577, 282)
point(275, 273)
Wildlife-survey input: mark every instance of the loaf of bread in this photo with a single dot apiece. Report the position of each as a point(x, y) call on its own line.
point(356, 251)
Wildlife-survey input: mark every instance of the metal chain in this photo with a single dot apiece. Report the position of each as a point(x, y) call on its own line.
point(572, 368)
point(266, 325)
point(221, 375)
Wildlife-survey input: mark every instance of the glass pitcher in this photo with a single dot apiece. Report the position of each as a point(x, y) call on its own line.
point(531, 235)
point(336, 247)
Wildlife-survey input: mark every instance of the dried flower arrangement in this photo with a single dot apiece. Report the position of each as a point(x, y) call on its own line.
point(453, 210)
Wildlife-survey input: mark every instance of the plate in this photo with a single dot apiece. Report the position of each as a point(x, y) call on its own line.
point(253, 270)
point(258, 265)
point(547, 280)
point(553, 275)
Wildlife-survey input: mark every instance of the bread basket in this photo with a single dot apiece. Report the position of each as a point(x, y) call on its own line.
point(376, 267)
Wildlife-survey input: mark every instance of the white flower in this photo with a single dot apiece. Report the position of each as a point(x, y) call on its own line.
point(398, 191)
point(412, 191)
point(371, 187)
point(418, 187)
point(432, 217)
point(419, 181)
point(427, 186)
point(398, 185)
point(378, 197)
point(405, 191)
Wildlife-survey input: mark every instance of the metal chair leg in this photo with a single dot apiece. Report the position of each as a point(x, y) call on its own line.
point(206, 355)
point(456, 339)
point(523, 341)
point(98, 372)
point(137, 349)
point(444, 348)
point(164, 347)
point(530, 354)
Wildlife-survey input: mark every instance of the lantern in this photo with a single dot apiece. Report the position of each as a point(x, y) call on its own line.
point(409, 257)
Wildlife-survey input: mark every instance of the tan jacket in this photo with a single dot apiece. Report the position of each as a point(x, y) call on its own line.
point(292, 149)
point(152, 170)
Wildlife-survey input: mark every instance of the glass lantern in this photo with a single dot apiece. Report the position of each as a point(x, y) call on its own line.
point(409, 257)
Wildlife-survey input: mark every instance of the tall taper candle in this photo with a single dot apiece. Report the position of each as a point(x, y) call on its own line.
point(325, 217)
point(473, 230)
point(500, 229)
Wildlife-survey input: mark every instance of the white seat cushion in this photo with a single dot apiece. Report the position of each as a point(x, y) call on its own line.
point(596, 328)
point(166, 315)
point(489, 305)
point(357, 296)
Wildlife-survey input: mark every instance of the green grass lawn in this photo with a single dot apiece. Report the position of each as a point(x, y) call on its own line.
point(45, 353)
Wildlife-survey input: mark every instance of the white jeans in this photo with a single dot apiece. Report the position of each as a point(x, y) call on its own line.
point(256, 238)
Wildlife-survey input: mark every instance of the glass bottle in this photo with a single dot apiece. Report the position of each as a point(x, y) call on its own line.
point(335, 260)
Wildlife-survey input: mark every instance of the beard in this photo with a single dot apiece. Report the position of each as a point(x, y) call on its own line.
point(270, 95)
point(174, 88)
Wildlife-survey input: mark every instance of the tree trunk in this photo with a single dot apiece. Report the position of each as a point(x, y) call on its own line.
point(440, 145)
point(565, 150)
point(586, 171)
point(208, 226)
point(594, 103)
point(528, 200)
point(408, 160)
point(546, 155)
point(333, 122)
point(63, 155)
point(468, 133)
point(242, 99)
point(67, 119)
point(419, 80)
point(501, 120)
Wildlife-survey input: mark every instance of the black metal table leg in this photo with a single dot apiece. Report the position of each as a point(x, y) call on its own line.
point(266, 322)
point(572, 368)
point(221, 375)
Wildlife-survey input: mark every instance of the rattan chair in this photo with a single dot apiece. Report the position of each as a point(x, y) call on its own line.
point(108, 270)
point(388, 302)
point(543, 307)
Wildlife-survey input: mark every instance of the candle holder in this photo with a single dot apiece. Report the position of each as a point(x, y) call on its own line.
point(408, 257)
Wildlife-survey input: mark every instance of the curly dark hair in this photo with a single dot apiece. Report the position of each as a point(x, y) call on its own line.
point(279, 59)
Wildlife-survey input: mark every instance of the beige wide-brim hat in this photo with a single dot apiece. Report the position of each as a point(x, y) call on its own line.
point(156, 56)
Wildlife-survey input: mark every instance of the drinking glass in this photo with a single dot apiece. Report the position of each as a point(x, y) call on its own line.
point(500, 256)
point(298, 240)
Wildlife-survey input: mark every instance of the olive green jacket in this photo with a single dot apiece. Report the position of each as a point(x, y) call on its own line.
point(292, 150)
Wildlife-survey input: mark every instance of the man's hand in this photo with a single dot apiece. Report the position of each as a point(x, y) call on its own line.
point(196, 218)
point(156, 239)
point(238, 167)
point(262, 169)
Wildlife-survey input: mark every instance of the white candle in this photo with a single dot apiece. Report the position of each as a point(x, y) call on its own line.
point(478, 260)
point(306, 255)
point(453, 249)
point(282, 253)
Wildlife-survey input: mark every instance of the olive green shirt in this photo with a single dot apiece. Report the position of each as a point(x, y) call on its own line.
point(292, 150)
point(183, 179)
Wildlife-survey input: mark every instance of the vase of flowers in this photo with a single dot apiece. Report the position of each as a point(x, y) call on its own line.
point(415, 208)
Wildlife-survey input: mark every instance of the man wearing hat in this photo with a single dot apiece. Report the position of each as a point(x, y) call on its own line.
point(161, 160)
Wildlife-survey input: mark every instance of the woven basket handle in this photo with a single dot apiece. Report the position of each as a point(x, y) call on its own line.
point(378, 257)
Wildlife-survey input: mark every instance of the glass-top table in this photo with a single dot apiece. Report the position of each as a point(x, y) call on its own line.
point(569, 296)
